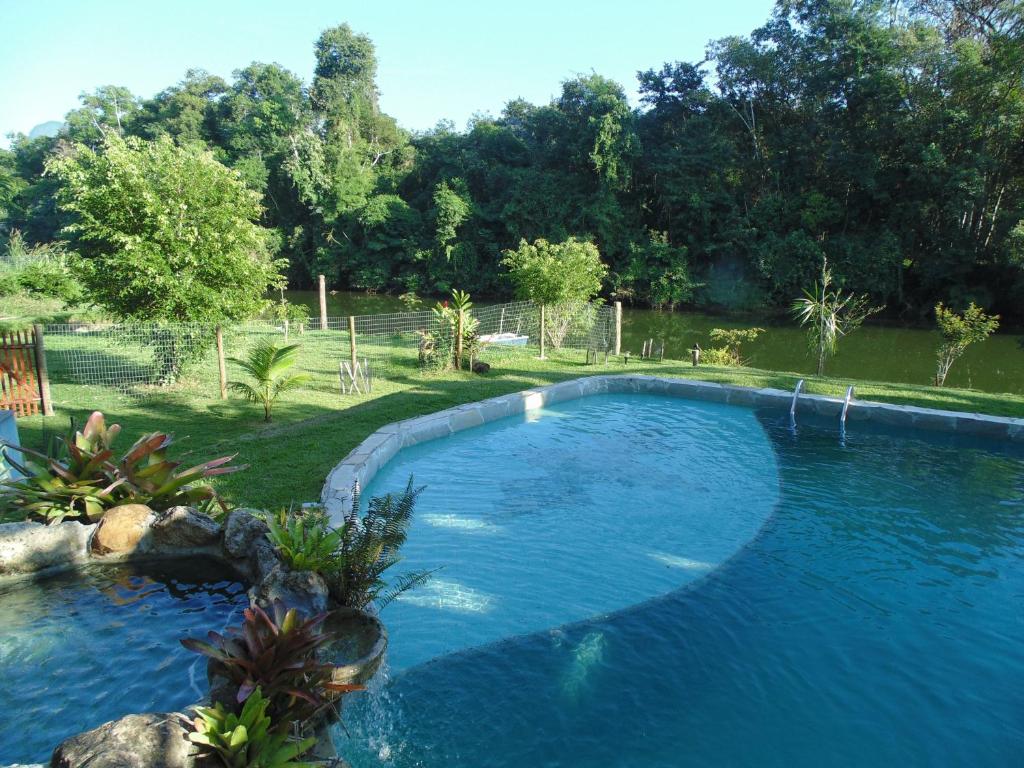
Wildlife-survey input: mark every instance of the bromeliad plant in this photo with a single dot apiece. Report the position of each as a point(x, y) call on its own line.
point(353, 557)
point(249, 739)
point(305, 540)
point(279, 656)
point(90, 480)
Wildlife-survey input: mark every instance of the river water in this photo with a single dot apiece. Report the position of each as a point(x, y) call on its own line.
point(877, 352)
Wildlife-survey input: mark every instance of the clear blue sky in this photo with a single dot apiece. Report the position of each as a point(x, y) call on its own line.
point(437, 60)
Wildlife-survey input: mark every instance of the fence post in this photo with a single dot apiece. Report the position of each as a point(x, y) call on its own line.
point(222, 370)
point(44, 378)
point(541, 331)
point(352, 339)
point(323, 302)
point(458, 342)
point(618, 327)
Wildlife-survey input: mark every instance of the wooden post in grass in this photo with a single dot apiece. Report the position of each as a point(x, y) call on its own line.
point(458, 342)
point(323, 302)
point(352, 339)
point(541, 331)
point(44, 377)
point(221, 367)
point(618, 327)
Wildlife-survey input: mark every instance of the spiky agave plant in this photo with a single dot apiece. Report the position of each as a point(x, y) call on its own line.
point(370, 546)
point(270, 368)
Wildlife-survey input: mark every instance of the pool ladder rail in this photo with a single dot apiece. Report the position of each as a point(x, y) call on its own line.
point(792, 407)
point(842, 416)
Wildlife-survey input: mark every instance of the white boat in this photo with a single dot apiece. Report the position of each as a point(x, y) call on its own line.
point(507, 339)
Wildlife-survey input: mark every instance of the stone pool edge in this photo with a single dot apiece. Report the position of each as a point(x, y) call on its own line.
point(363, 462)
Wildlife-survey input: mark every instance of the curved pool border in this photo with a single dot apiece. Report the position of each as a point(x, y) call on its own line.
point(363, 462)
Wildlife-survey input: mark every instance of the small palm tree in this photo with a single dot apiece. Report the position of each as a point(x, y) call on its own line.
point(829, 314)
point(269, 367)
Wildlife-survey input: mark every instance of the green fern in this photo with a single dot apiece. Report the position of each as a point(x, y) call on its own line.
point(370, 546)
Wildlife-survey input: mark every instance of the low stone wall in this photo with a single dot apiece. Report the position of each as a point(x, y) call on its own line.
point(375, 451)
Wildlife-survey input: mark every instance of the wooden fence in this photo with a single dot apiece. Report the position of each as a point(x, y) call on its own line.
point(24, 386)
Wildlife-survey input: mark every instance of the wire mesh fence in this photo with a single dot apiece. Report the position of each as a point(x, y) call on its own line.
point(147, 359)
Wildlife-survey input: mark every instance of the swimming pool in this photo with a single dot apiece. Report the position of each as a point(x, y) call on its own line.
point(811, 603)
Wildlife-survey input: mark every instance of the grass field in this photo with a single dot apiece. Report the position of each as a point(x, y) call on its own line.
point(316, 426)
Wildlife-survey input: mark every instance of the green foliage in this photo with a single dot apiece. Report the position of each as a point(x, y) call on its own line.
point(731, 339)
point(657, 274)
point(440, 349)
point(369, 547)
point(249, 739)
point(555, 273)
point(44, 270)
point(569, 318)
point(829, 314)
point(959, 331)
point(164, 232)
point(885, 138)
point(270, 369)
point(305, 540)
point(276, 655)
point(90, 481)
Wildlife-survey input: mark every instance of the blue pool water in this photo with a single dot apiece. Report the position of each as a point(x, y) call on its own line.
point(867, 608)
point(85, 647)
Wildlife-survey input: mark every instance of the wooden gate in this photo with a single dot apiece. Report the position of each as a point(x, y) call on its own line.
point(24, 387)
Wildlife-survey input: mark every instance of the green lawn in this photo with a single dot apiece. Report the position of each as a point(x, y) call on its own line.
point(315, 427)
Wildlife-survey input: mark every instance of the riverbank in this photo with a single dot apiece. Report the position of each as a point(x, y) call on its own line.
point(875, 352)
point(314, 429)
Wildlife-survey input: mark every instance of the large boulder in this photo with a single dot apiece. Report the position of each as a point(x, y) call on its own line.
point(304, 590)
point(151, 740)
point(241, 530)
point(30, 547)
point(184, 528)
point(124, 530)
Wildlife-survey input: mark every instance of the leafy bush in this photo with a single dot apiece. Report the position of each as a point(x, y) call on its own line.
point(277, 656)
point(554, 273)
point(163, 231)
point(370, 546)
point(89, 481)
point(959, 331)
point(305, 540)
point(44, 270)
point(567, 318)
point(249, 739)
point(270, 368)
point(731, 339)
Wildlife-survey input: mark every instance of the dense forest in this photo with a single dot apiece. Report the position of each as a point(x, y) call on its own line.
point(885, 136)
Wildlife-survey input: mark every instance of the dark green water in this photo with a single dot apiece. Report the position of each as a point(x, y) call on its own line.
point(877, 352)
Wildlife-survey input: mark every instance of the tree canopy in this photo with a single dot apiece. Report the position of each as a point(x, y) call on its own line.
point(163, 231)
point(555, 273)
point(886, 138)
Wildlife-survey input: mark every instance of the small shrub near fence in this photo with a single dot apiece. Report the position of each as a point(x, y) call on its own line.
point(146, 359)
